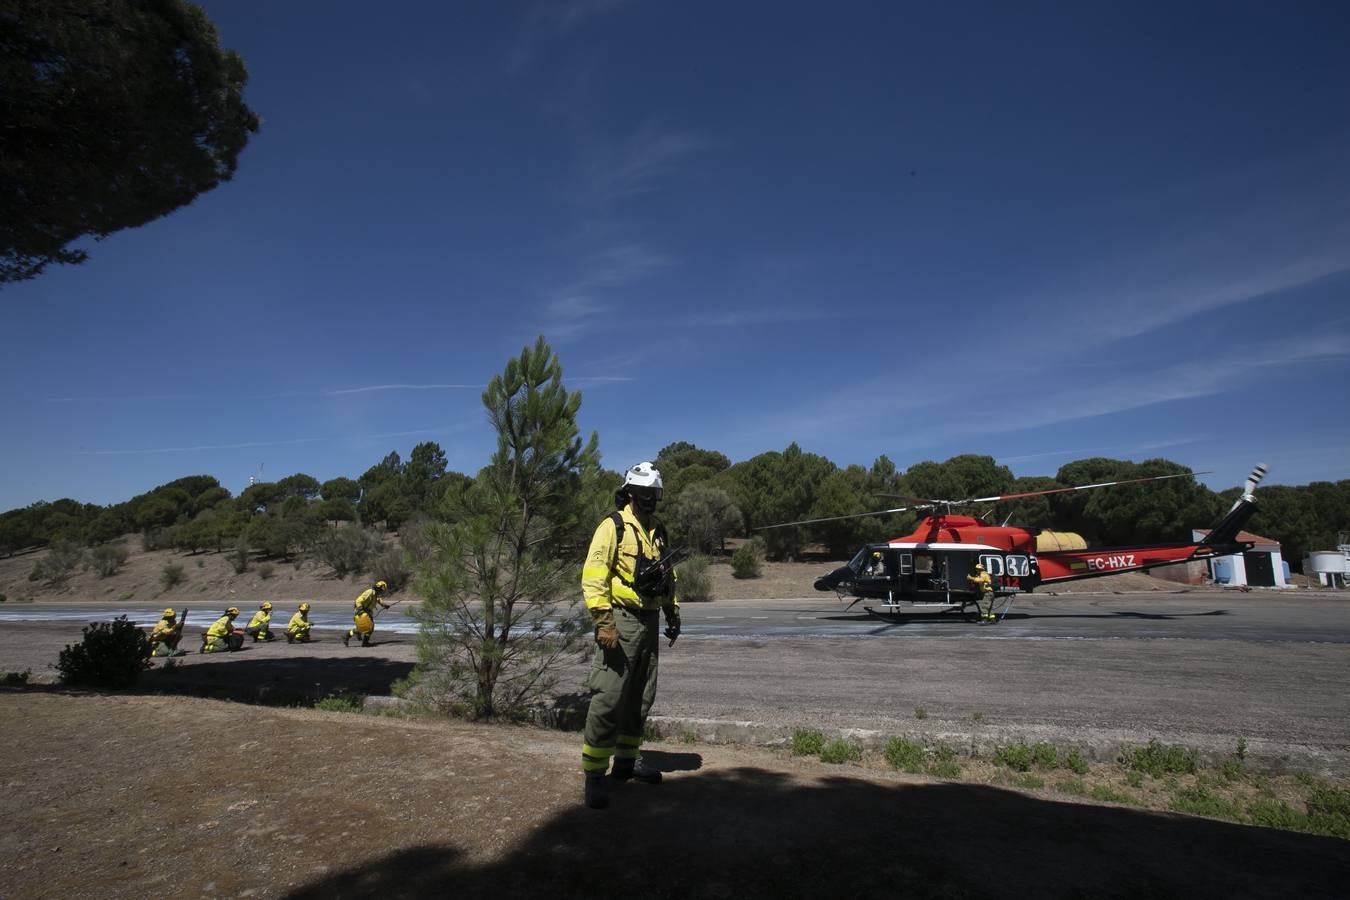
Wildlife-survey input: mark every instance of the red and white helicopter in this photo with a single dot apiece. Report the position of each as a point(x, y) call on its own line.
point(928, 568)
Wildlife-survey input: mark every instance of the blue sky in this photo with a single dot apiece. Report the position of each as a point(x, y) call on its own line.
point(1036, 231)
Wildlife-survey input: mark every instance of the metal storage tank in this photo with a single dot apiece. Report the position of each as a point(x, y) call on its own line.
point(1327, 566)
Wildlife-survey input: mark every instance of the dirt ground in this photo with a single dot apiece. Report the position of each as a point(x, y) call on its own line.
point(124, 795)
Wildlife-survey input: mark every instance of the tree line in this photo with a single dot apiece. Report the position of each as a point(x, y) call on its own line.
point(707, 499)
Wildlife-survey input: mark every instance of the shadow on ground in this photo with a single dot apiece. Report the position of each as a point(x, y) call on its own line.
point(273, 680)
point(754, 833)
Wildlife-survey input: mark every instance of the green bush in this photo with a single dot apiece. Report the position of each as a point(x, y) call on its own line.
point(1277, 814)
point(745, 562)
point(920, 712)
point(1200, 801)
point(807, 742)
point(1029, 782)
point(1160, 759)
point(1075, 762)
point(944, 763)
point(694, 584)
point(1134, 779)
point(1015, 756)
point(266, 570)
point(171, 575)
point(391, 568)
point(840, 751)
point(108, 558)
point(1108, 794)
point(348, 551)
point(905, 755)
point(61, 559)
point(1075, 786)
point(111, 654)
point(15, 679)
point(239, 556)
point(340, 703)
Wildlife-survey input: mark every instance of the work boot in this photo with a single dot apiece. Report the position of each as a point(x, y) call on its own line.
point(638, 770)
point(347, 639)
point(365, 640)
point(290, 639)
point(597, 791)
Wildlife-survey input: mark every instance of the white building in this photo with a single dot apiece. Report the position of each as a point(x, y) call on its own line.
point(1261, 566)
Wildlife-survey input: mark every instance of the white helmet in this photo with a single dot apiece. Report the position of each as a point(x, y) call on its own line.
point(645, 477)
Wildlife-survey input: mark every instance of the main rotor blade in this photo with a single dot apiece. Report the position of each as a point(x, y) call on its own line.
point(1081, 487)
point(911, 500)
point(880, 512)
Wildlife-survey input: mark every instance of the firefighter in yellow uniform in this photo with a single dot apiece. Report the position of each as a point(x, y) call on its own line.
point(623, 592)
point(220, 636)
point(297, 629)
point(981, 585)
point(260, 626)
point(364, 616)
point(167, 633)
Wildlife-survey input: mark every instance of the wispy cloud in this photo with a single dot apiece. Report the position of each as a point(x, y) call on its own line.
point(403, 387)
point(553, 19)
point(638, 165)
point(572, 308)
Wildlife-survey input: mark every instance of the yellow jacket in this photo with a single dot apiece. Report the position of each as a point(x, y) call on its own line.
point(220, 628)
point(607, 574)
point(980, 583)
point(163, 631)
point(298, 623)
point(261, 617)
point(366, 602)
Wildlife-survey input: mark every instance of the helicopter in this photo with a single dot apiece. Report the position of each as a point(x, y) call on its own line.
point(928, 568)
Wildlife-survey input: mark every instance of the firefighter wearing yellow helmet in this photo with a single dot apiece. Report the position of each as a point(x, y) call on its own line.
point(222, 635)
point(167, 633)
point(363, 618)
point(984, 589)
point(260, 626)
point(625, 593)
point(297, 629)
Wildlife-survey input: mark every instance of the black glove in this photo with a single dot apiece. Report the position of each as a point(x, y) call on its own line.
point(672, 624)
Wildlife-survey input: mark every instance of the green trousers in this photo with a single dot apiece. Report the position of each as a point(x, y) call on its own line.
point(623, 688)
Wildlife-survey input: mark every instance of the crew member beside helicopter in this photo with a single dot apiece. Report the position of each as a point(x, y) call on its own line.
point(981, 585)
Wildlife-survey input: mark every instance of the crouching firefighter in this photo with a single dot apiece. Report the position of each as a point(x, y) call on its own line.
point(168, 631)
point(626, 578)
point(222, 635)
point(260, 626)
point(297, 629)
point(363, 618)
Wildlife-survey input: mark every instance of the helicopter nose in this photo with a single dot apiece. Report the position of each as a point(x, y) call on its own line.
point(834, 579)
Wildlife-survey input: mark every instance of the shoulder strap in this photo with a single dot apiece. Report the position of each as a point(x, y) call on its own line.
point(617, 518)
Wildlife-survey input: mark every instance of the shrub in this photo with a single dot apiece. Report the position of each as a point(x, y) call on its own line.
point(745, 562)
point(1016, 756)
point(1134, 779)
point(694, 584)
point(1076, 763)
point(348, 551)
point(266, 570)
point(108, 558)
point(343, 702)
point(920, 712)
point(1108, 794)
point(58, 564)
point(111, 654)
point(239, 556)
point(171, 575)
point(840, 751)
point(944, 763)
point(391, 568)
point(905, 755)
point(1028, 781)
point(1199, 801)
point(1075, 786)
point(807, 742)
point(1159, 759)
point(15, 679)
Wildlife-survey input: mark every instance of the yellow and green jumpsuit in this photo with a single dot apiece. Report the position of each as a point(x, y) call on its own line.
point(165, 637)
point(365, 606)
point(297, 629)
point(623, 680)
point(218, 636)
point(260, 626)
point(981, 585)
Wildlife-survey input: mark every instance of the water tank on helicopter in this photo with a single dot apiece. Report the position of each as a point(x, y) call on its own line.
point(1059, 540)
